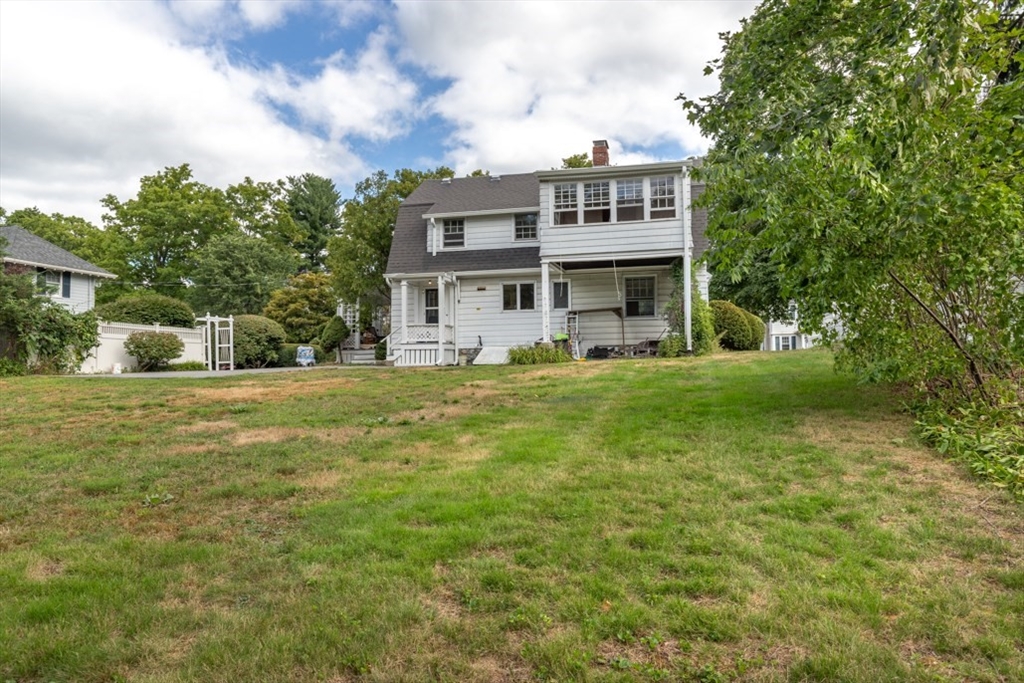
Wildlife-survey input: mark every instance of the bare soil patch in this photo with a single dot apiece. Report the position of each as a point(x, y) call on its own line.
point(201, 427)
point(268, 435)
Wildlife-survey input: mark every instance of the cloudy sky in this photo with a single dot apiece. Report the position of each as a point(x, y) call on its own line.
point(94, 95)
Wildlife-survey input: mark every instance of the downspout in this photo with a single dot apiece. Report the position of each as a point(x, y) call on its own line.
point(688, 293)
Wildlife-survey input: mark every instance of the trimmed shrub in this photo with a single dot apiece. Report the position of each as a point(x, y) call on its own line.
point(537, 355)
point(147, 309)
point(287, 353)
point(334, 333)
point(731, 326)
point(187, 366)
point(756, 327)
point(380, 351)
point(257, 340)
point(153, 349)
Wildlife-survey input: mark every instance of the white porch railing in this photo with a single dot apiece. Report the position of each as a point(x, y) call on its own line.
point(419, 333)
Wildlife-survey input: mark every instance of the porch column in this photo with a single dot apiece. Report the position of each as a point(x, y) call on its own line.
point(441, 309)
point(405, 311)
point(545, 302)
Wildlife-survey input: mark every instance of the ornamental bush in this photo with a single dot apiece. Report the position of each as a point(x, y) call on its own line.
point(147, 308)
point(702, 328)
point(153, 349)
point(333, 334)
point(731, 326)
point(756, 327)
point(257, 340)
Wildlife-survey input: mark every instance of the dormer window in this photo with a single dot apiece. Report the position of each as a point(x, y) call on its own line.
point(597, 202)
point(454, 232)
point(663, 197)
point(565, 204)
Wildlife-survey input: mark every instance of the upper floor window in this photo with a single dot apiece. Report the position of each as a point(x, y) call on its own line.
point(629, 200)
point(52, 282)
point(518, 297)
point(566, 204)
point(526, 226)
point(640, 296)
point(597, 202)
point(454, 232)
point(663, 197)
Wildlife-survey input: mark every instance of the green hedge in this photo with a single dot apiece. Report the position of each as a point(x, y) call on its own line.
point(257, 341)
point(757, 328)
point(334, 333)
point(287, 353)
point(736, 328)
point(147, 309)
point(537, 355)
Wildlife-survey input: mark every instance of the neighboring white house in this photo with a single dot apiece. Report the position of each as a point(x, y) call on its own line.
point(507, 260)
point(72, 281)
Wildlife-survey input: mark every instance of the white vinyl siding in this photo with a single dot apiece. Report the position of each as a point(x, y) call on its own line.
point(481, 317)
point(483, 232)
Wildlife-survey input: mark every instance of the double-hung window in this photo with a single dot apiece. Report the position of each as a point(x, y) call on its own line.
point(629, 200)
point(597, 202)
point(518, 296)
point(566, 204)
point(454, 232)
point(526, 226)
point(663, 197)
point(640, 296)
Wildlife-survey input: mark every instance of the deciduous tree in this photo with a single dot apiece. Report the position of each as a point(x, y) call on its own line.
point(235, 274)
point(359, 256)
point(871, 154)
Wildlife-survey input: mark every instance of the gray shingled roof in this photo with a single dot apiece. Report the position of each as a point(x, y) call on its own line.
point(409, 252)
point(24, 247)
point(466, 195)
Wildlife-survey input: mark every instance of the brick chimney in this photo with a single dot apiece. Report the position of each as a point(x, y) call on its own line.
point(600, 154)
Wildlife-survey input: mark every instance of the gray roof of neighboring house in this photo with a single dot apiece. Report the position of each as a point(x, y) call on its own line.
point(24, 247)
point(409, 253)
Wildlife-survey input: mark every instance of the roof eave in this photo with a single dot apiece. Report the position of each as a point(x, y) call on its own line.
point(93, 273)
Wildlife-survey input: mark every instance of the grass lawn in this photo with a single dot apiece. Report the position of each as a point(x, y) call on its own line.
point(749, 517)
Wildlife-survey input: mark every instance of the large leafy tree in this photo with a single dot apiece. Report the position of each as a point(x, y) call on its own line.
point(261, 209)
point(171, 217)
point(358, 257)
point(235, 274)
point(868, 155)
point(315, 206)
point(303, 307)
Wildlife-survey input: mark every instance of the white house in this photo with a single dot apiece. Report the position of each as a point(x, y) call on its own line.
point(507, 260)
point(71, 280)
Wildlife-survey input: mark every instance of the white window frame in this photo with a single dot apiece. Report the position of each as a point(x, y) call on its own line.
point(629, 193)
point(663, 197)
point(597, 197)
point(449, 229)
point(654, 296)
point(565, 202)
point(519, 296)
point(568, 295)
point(516, 227)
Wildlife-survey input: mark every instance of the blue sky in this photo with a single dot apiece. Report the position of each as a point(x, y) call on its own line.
point(94, 95)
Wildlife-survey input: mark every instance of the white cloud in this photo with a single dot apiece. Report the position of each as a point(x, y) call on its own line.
point(96, 95)
point(366, 96)
point(532, 82)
